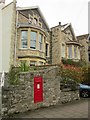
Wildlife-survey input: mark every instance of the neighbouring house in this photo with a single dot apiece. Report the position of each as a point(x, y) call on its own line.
point(7, 35)
point(26, 36)
point(64, 43)
point(84, 41)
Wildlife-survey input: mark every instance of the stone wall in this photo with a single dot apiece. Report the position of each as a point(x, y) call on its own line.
point(83, 40)
point(67, 96)
point(20, 98)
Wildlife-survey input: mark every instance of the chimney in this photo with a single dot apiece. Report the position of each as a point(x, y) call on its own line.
point(59, 23)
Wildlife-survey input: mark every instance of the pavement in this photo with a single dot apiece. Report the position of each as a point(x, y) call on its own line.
point(75, 109)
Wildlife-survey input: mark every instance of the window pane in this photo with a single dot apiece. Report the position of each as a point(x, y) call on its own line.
point(70, 51)
point(33, 40)
point(89, 57)
point(40, 41)
point(24, 39)
point(75, 52)
point(47, 49)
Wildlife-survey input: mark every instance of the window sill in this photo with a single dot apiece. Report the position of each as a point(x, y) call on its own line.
point(32, 50)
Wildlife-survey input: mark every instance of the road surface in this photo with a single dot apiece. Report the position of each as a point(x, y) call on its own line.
point(76, 109)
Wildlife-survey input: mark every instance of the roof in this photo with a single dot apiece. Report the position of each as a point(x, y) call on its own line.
point(63, 27)
point(84, 36)
point(34, 7)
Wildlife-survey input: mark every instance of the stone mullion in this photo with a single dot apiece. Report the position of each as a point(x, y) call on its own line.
point(29, 31)
point(37, 41)
point(43, 47)
point(20, 39)
point(48, 49)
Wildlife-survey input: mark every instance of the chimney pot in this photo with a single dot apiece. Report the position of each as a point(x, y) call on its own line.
point(59, 23)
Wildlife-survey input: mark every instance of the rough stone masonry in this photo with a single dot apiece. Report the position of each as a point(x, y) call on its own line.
point(20, 98)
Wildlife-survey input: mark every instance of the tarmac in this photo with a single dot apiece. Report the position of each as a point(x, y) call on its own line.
point(75, 109)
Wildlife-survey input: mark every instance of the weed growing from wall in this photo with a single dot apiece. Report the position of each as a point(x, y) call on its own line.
point(13, 75)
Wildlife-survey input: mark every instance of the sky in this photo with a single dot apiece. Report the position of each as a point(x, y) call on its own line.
point(64, 11)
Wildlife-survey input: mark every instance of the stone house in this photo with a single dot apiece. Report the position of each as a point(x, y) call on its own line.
point(27, 37)
point(84, 52)
point(64, 43)
point(25, 34)
point(33, 39)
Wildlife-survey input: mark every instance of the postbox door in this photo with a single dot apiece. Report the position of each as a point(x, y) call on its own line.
point(38, 89)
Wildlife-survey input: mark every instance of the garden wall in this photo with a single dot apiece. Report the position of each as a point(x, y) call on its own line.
point(20, 98)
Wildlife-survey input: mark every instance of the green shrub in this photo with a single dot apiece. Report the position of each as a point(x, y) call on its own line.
point(86, 75)
point(74, 63)
point(13, 75)
point(24, 67)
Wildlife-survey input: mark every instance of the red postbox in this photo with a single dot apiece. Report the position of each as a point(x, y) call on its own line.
point(38, 89)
